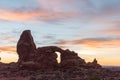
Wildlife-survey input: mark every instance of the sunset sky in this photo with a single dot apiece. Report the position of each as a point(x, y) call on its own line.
point(89, 27)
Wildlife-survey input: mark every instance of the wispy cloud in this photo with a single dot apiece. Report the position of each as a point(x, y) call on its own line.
point(7, 38)
point(110, 32)
point(35, 15)
point(62, 4)
point(59, 10)
point(7, 49)
point(92, 42)
point(16, 15)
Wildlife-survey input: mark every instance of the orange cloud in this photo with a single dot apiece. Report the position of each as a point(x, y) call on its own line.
point(93, 42)
point(13, 15)
point(36, 14)
point(8, 49)
point(100, 43)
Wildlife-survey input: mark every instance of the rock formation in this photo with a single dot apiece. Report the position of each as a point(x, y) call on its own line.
point(70, 59)
point(45, 57)
point(94, 61)
point(26, 47)
point(93, 64)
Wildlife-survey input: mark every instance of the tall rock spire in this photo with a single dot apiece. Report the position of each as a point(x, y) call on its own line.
point(26, 47)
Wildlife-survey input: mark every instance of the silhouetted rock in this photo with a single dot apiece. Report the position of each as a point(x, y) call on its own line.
point(41, 64)
point(93, 64)
point(70, 59)
point(26, 47)
point(95, 61)
point(46, 57)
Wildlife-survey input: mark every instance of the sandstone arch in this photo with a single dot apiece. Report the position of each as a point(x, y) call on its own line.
point(44, 57)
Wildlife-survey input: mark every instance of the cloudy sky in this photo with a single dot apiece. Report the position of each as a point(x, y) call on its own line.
point(89, 27)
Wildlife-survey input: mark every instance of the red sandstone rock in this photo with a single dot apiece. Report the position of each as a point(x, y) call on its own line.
point(70, 59)
point(93, 64)
point(26, 47)
point(94, 61)
point(45, 57)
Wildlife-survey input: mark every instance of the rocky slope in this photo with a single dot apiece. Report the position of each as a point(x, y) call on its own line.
point(12, 72)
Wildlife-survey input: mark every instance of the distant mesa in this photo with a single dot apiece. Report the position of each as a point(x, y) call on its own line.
point(31, 57)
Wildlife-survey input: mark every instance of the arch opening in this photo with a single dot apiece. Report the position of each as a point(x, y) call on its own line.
point(58, 56)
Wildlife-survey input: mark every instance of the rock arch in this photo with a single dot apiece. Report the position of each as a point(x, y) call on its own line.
point(58, 57)
point(44, 57)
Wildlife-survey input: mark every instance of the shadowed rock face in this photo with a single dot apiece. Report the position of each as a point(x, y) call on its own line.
point(26, 47)
point(45, 57)
point(93, 64)
point(70, 59)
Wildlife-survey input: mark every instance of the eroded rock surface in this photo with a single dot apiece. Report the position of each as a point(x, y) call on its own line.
point(47, 57)
point(26, 47)
point(70, 59)
point(93, 64)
